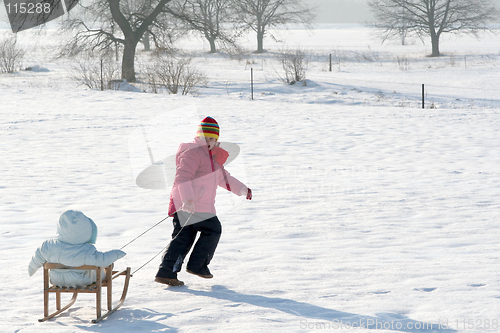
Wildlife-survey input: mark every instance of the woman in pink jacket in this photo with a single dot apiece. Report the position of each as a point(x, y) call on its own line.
point(199, 170)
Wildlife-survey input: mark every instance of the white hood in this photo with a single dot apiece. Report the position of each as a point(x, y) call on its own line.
point(76, 228)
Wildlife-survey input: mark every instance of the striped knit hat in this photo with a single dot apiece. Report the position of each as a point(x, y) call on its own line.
point(208, 128)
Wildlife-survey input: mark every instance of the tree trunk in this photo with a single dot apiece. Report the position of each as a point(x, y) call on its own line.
point(435, 44)
point(145, 41)
point(260, 41)
point(213, 48)
point(128, 61)
point(211, 40)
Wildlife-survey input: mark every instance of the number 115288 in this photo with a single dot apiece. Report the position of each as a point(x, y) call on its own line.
point(28, 8)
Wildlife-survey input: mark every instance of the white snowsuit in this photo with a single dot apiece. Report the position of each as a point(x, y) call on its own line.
point(76, 234)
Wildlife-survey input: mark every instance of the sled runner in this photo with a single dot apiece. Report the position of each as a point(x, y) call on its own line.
point(94, 288)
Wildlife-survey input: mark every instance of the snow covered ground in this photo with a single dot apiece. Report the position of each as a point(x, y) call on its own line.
point(368, 210)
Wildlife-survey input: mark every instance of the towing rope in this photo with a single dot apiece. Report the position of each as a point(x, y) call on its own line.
point(147, 230)
point(185, 224)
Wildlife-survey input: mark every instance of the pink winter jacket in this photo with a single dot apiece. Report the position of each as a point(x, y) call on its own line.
point(197, 176)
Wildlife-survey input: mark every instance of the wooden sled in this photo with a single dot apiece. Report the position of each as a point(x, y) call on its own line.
point(94, 288)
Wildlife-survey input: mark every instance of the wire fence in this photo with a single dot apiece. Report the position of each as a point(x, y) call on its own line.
point(356, 76)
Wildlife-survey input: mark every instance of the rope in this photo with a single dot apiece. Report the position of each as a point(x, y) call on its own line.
point(148, 230)
point(153, 257)
point(185, 224)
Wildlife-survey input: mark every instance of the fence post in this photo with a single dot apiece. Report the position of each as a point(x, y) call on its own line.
point(423, 96)
point(330, 62)
point(102, 79)
point(251, 80)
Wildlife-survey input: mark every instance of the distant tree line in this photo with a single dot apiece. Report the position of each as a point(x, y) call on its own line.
point(431, 18)
point(120, 25)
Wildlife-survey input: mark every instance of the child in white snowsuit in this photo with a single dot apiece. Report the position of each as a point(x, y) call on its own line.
point(76, 234)
point(199, 171)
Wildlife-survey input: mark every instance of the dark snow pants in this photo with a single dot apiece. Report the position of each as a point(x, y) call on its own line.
point(210, 229)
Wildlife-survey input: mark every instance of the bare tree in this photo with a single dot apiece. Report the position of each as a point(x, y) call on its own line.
point(402, 26)
point(294, 64)
point(261, 15)
point(11, 54)
point(104, 24)
point(432, 17)
point(176, 75)
point(207, 17)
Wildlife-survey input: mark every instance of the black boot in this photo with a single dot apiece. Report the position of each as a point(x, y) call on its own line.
point(170, 282)
point(204, 273)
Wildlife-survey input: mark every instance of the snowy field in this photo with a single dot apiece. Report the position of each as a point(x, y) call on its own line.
point(368, 210)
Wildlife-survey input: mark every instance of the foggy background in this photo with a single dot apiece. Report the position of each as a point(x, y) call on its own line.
point(327, 11)
point(348, 11)
point(341, 11)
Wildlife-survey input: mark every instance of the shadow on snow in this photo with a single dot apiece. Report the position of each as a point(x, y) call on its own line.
point(324, 316)
point(133, 320)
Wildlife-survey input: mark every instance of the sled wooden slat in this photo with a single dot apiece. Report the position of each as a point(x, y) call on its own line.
point(95, 288)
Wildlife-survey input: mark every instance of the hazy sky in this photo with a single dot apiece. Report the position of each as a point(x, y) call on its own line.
point(329, 11)
point(341, 11)
point(347, 11)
